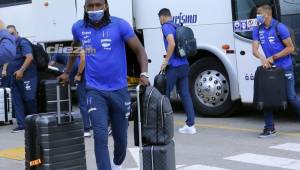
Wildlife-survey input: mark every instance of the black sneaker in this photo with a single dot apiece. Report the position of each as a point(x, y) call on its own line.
point(267, 133)
point(17, 129)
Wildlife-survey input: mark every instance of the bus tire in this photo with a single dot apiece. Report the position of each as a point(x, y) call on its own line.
point(210, 88)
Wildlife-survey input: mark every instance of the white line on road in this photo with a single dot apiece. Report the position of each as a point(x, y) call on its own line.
point(265, 160)
point(295, 147)
point(202, 167)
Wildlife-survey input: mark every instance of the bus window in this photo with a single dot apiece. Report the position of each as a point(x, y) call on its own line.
point(5, 3)
point(243, 10)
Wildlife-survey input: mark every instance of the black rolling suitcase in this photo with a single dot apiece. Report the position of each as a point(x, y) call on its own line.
point(269, 89)
point(47, 97)
point(153, 157)
point(55, 141)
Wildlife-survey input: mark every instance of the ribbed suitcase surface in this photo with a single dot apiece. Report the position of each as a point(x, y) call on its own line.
point(57, 146)
point(47, 97)
point(55, 141)
point(269, 89)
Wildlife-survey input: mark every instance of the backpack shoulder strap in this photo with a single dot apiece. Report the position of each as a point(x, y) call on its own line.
point(22, 39)
point(172, 24)
point(259, 29)
point(25, 39)
point(277, 32)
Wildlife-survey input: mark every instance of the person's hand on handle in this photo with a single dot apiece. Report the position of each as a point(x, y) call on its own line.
point(144, 81)
point(19, 74)
point(64, 78)
point(271, 60)
point(265, 63)
point(164, 66)
point(77, 78)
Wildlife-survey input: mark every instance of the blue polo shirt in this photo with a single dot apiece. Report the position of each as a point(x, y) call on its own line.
point(169, 28)
point(23, 48)
point(7, 47)
point(106, 66)
point(271, 44)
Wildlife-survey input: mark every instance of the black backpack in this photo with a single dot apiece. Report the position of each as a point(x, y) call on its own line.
point(186, 44)
point(41, 58)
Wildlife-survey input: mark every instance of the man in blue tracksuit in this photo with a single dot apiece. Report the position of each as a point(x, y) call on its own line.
point(7, 45)
point(24, 80)
point(277, 50)
point(177, 70)
point(103, 38)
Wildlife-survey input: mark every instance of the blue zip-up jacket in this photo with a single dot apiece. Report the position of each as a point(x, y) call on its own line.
point(7, 47)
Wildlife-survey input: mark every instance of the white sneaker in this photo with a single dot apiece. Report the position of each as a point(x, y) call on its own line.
point(188, 130)
point(87, 134)
point(115, 167)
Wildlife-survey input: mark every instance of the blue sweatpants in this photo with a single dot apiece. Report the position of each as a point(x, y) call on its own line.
point(24, 97)
point(81, 94)
point(179, 76)
point(113, 106)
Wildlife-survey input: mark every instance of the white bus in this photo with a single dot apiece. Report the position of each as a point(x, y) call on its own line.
point(221, 73)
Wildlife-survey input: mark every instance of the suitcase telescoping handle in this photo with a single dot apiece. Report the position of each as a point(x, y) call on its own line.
point(138, 90)
point(58, 101)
